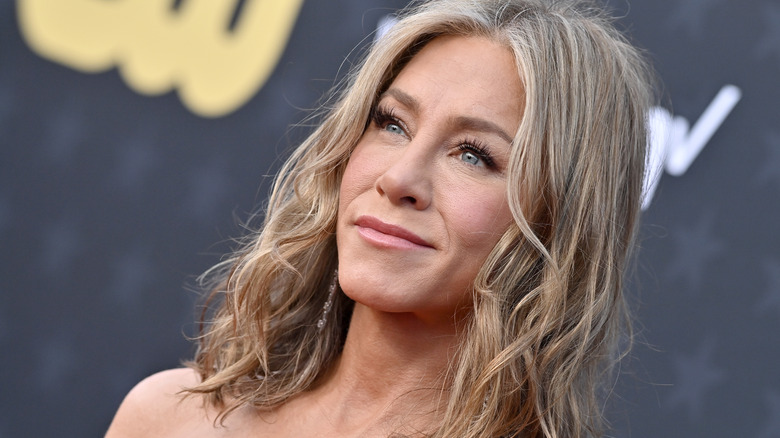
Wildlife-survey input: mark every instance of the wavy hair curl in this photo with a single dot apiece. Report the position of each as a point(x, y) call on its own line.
point(548, 310)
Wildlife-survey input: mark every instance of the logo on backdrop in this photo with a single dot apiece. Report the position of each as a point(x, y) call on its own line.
point(674, 143)
point(157, 48)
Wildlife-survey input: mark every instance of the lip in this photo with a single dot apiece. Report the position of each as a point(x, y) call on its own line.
point(387, 235)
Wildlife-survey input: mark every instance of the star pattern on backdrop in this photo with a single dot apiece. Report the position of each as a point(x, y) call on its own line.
point(771, 428)
point(6, 103)
point(696, 375)
point(208, 185)
point(136, 158)
point(101, 188)
point(132, 273)
point(5, 212)
point(5, 330)
point(769, 172)
point(695, 246)
point(771, 300)
point(768, 45)
point(689, 15)
point(61, 243)
point(57, 358)
point(64, 133)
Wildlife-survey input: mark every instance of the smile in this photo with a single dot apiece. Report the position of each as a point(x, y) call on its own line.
point(386, 235)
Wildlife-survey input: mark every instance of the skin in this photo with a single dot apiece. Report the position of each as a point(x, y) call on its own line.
point(415, 170)
point(418, 170)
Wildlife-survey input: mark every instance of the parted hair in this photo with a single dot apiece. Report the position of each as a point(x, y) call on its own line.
point(548, 310)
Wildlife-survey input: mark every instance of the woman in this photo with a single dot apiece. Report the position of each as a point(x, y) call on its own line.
point(443, 255)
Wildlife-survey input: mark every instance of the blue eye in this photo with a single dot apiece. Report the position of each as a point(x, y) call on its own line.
point(393, 128)
point(385, 120)
point(470, 157)
point(475, 154)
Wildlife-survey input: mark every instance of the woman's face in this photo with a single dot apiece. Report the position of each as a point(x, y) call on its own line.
point(423, 197)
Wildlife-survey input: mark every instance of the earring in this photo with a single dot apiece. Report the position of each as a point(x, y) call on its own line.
point(329, 303)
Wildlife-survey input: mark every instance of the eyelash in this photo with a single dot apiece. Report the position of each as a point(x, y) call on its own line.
point(479, 150)
point(382, 117)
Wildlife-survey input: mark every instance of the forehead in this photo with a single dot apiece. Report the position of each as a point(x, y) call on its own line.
point(470, 74)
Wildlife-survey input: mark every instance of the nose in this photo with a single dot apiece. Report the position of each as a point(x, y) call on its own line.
point(407, 179)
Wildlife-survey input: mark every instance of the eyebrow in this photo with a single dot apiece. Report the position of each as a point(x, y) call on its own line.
point(467, 122)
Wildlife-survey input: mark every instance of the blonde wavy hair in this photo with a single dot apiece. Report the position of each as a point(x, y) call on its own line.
point(548, 307)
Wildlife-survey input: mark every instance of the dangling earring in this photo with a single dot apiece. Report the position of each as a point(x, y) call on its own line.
point(329, 303)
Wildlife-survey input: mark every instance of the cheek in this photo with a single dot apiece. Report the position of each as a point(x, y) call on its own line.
point(346, 191)
point(480, 218)
point(359, 177)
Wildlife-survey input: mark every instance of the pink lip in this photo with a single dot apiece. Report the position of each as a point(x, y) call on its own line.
point(388, 235)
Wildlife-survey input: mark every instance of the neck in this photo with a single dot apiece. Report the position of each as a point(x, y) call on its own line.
point(392, 371)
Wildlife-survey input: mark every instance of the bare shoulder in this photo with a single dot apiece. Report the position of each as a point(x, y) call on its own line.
point(156, 407)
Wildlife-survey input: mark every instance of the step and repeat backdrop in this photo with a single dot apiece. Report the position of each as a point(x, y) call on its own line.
point(137, 136)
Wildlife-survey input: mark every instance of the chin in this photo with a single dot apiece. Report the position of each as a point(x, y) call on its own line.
point(398, 300)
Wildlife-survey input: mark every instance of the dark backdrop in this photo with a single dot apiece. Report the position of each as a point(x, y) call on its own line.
point(112, 201)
